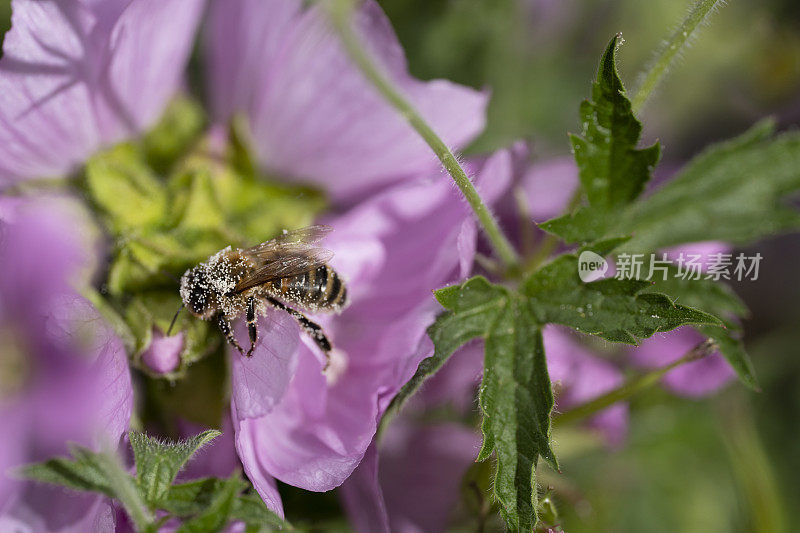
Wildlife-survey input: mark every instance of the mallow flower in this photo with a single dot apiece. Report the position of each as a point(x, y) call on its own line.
point(77, 77)
point(65, 375)
point(393, 249)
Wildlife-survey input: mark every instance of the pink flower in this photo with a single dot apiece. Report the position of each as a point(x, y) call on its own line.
point(695, 379)
point(313, 116)
point(65, 376)
point(393, 250)
point(76, 76)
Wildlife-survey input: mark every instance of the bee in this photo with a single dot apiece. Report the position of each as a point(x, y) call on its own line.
point(289, 270)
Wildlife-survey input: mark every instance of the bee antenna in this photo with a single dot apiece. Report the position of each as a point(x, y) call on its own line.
point(170, 275)
point(178, 312)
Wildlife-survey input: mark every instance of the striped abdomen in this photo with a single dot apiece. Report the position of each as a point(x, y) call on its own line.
point(320, 288)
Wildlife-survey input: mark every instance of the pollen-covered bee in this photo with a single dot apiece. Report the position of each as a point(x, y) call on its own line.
point(289, 269)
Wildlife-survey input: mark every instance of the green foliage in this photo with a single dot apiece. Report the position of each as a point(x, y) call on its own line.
point(206, 504)
point(516, 397)
point(157, 463)
point(516, 400)
point(617, 310)
point(735, 191)
point(612, 171)
point(83, 472)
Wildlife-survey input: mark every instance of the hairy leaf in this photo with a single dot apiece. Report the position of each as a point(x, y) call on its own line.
point(471, 307)
point(191, 498)
point(612, 171)
point(734, 192)
point(615, 310)
point(516, 399)
point(157, 462)
point(83, 472)
point(217, 513)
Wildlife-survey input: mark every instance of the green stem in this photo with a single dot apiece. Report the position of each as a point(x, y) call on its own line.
point(632, 386)
point(340, 11)
point(126, 492)
point(670, 49)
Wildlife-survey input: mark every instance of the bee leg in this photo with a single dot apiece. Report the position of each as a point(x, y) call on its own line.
point(252, 330)
point(225, 327)
point(312, 329)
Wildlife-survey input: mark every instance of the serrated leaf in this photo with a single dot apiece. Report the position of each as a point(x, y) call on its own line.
point(733, 351)
point(516, 398)
point(189, 499)
point(615, 310)
point(217, 513)
point(157, 463)
point(732, 192)
point(251, 509)
point(81, 473)
point(611, 170)
point(471, 307)
point(713, 297)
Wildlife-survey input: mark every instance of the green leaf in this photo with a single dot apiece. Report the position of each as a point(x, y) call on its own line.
point(82, 473)
point(615, 310)
point(471, 307)
point(734, 192)
point(611, 170)
point(713, 297)
point(516, 399)
point(125, 189)
point(93, 472)
point(189, 499)
point(217, 513)
point(733, 351)
point(157, 463)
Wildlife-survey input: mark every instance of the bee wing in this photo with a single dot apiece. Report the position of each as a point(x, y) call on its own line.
point(308, 235)
point(285, 256)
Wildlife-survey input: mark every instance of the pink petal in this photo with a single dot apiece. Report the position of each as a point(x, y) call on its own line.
point(47, 508)
point(695, 379)
point(77, 76)
point(318, 434)
point(313, 116)
point(363, 497)
point(549, 186)
point(581, 376)
point(260, 381)
point(246, 449)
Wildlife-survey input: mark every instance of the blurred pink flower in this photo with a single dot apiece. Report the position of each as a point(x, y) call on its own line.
point(65, 375)
point(313, 116)
point(164, 353)
point(695, 379)
point(76, 76)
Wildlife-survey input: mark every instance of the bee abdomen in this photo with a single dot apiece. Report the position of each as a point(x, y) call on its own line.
point(318, 288)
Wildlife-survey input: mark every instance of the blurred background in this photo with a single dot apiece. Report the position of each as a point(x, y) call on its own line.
point(727, 463)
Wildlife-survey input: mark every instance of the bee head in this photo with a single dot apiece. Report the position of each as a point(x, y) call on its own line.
point(195, 291)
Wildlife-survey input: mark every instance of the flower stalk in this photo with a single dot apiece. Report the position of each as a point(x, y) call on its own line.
point(632, 386)
point(670, 49)
point(339, 12)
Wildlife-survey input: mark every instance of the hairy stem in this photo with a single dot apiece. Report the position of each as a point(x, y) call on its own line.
point(632, 386)
point(126, 492)
point(340, 11)
point(670, 50)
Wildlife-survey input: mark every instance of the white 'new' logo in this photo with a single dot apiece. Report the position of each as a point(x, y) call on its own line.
point(591, 266)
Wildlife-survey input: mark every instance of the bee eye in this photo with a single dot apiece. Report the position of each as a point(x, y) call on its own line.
point(194, 291)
